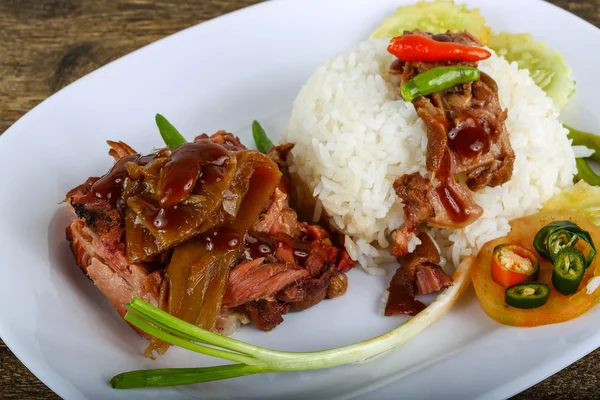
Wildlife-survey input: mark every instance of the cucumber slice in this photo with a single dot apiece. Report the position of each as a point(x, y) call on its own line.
point(437, 17)
point(546, 66)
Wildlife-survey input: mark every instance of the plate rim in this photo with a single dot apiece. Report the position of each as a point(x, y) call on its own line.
point(65, 389)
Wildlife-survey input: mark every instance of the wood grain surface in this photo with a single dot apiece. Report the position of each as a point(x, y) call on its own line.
point(47, 44)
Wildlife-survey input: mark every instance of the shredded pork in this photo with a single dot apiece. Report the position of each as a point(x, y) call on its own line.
point(465, 135)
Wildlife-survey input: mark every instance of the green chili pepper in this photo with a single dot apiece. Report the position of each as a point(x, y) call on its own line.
point(586, 139)
point(584, 172)
point(567, 228)
point(263, 144)
point(558, 240)
point(173, 139)
point(527, 295)
point(436, 80)
point(568, 270)
point(540, 242)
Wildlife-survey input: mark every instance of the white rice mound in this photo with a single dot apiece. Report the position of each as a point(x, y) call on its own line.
point(354, 136)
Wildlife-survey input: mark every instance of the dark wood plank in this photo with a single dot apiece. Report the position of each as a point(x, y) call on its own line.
point(48, 44)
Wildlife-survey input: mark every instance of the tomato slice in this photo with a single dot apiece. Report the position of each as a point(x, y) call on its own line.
point(512, 264)
point(559, 308)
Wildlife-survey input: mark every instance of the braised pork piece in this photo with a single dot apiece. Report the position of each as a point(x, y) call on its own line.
point(466, 136)
point(204, 231)
point(419, 273)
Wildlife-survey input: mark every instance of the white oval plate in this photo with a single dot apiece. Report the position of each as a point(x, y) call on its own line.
point(221, 75)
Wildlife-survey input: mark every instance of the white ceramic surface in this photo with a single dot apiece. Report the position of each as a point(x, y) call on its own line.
point(221, 75)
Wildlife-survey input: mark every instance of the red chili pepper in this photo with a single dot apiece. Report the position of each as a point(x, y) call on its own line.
point(423, 48)
point(512, 265)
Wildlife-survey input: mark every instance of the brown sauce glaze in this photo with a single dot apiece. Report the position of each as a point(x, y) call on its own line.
point(263, 245)
point(259, 246)
point(110, 186)
point(222, 239)
point(147, 159)
point(202, 159)
point(162, 218)
point(452, 203)
point(214, 173)
point(468, 137)
point(300, 256)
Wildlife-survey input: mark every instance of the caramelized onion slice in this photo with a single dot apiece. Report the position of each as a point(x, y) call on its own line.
point(201, 162)
point(140, 244)
point(175, 223)
point(197, 276)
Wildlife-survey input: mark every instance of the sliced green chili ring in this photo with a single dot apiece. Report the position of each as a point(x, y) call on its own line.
point(558, 240)
point(568, 270)
point(527, 295)
point(173, 139)
point(438, 79)
point(540, 242)
point(263, 143)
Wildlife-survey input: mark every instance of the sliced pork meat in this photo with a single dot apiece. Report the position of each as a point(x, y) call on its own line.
point(266, 315)
point(280, 155)
point(327, 266)
point(401, 299)
point(308, 292)
point(418, 274)
point(280, 218)
point(87, 246)
point(255, 280)
point(204, 231)
point(119, 150)
point(430, 278)
point(105, 265)
point(225, 139)
point(321, 255)
point(307, 254)
point(466, 135)
point(309, 264)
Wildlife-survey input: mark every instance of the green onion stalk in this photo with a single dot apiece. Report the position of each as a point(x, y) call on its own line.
point(249, 359)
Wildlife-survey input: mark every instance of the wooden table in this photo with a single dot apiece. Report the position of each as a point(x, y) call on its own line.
point(47, 44)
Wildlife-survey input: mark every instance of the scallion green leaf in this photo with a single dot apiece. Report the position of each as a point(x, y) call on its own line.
point(182, 376)
point(263, 143)
point(173, 139)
